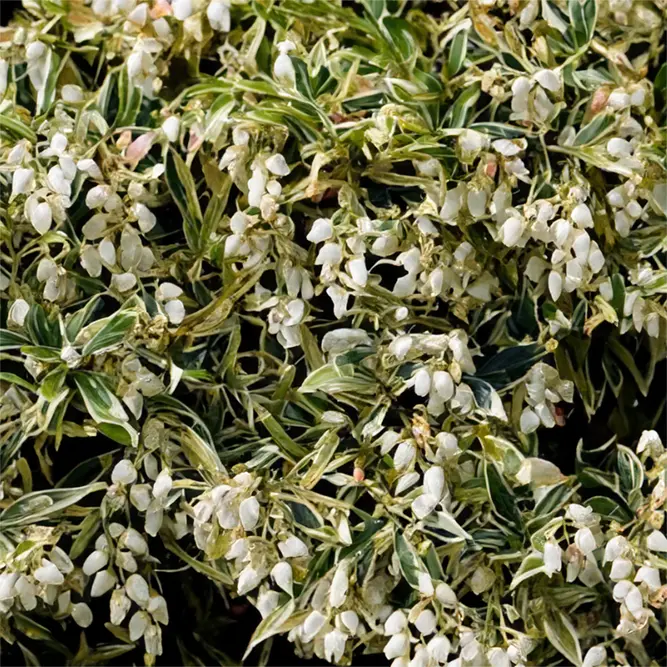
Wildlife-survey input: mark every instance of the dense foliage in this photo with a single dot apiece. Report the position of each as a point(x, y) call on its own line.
point(353, 311)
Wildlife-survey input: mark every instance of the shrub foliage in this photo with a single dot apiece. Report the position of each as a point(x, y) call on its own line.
point(353, 311)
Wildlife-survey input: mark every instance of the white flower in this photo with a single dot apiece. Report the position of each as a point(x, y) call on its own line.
point(339, 298)
point(581, 216)
point(104, 581)
point(312, 625)
point(619, 148)
point(4, 70)
point(22, 181)
point(358, 271)
point(119, 606)
point(507, 147)
point(445, 595)
point(472, 141)
point(422, 382)
point(249, 578)
point(82, 615)
point(267, 602)
point(283, 67)
point(329, 255)
point(511, 231)
point(552, 558)
point(123, 282)
point(48, 573)
point(339, 584)
point(90, 167)
point(334, 645)
point(175, 311)
point(293, 547)
point(397, 646)
point(426, 622)
point(145, 217)
point(657, 541)
point(453, 204)
point(649, 576)
point(404, 455)
point(282, 575)
point(650, 440)
point(182, 9)
point(350, 620)
point(249, 513)
point(95, 561)
point(137, 590)
point(321, 230)
point(7, 584)
point(124, 473)
point(615, 548)
point(277, 165)
point(58, 182)
point(621, 568)
point(171, 127)
point(548, 79)
point(585, 541)
point(529, 421)
point(595, 656)
point(396, 623)
point(18, 312)
point(218, 15)
point(443, 385)
point(438, 649)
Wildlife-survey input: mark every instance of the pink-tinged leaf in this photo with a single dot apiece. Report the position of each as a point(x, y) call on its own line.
point(139, 148)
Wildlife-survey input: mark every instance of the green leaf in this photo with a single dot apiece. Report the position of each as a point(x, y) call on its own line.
point(111, 334)
point(596, 129)
point(410, 563)
point(42, 330)
point(78, 320)
point(458, 114)
point(280, 620)
point(325, 448)
point(531, 566)
point(509, 364)
point(502, 130)
point(40, 505)
point(10, 340)
point(129, 100)
point(278, 433)
point(183, 190)
point(47, 92)
point(400, 37)
point(12, 378)
point(16, 128)
point(583, 14)
point(457, 53)
point(443, 520)
point(333, 379)
point(102, 405)
point(610, 509)
point(501, 496)
point(362, 540)
point(563, 637)
point(630, 469)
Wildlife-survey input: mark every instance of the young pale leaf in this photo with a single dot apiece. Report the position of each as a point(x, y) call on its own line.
point(562, 635)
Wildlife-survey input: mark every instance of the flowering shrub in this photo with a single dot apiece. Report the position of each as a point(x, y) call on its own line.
point(352, 310)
